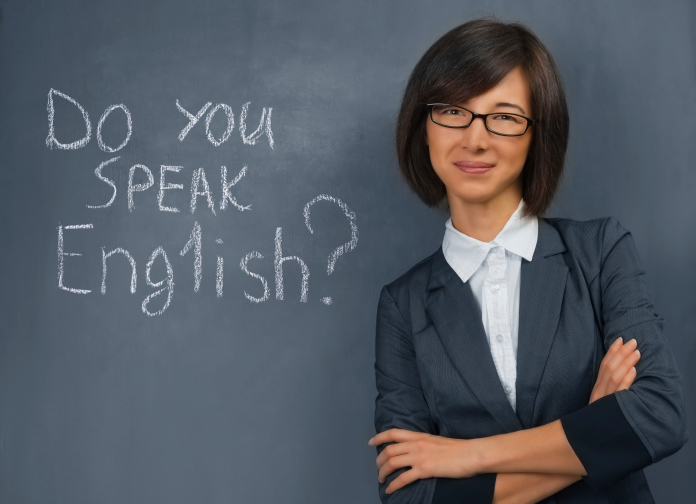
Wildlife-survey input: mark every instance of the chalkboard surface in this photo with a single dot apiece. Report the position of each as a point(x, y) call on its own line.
point(200, 203)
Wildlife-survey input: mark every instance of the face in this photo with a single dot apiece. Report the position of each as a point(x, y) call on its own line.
point(450, 148)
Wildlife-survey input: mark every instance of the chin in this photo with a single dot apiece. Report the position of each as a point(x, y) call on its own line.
point(473, 196)
point(474, 188)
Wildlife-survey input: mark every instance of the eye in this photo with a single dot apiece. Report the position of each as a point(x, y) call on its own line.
point(505, 117)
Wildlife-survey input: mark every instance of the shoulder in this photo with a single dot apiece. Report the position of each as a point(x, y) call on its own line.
point(579, 233)
point(592, 229)
point(411, 283)
point(589, 241)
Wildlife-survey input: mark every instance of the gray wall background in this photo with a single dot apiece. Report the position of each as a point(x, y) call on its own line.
point(220, 399)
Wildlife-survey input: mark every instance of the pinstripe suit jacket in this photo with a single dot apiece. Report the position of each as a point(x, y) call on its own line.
point(583, 288)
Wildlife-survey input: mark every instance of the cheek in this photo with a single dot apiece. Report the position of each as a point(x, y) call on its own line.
point(440, 154)
point(440, 145)
point(515, 155)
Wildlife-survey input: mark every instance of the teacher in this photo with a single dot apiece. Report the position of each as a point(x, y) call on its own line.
point(523, 361)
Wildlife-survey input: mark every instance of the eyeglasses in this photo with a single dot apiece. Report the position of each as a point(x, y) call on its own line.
point(500, 123)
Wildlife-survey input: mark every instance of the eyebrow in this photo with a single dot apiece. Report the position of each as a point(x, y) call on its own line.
point(506, 104)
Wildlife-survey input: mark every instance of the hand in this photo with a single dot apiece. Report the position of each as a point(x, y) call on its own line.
point(617, 371)
point(428, 455)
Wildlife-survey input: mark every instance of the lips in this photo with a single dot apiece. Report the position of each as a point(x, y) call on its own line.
point(473, 164)
point(473, 167)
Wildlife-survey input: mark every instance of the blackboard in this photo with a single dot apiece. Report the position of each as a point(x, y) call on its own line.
point(200, 203)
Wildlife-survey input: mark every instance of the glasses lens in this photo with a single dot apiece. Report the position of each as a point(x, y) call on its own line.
point(506, 124)
point(449, 115)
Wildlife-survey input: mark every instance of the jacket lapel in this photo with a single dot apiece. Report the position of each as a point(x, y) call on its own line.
point(457, 319)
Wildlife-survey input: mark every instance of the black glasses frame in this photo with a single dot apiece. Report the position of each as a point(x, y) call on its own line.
point(474, 115)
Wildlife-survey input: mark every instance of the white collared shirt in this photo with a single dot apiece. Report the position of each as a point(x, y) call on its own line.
point(493, 270)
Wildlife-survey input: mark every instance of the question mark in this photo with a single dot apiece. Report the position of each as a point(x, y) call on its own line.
point(346, 247)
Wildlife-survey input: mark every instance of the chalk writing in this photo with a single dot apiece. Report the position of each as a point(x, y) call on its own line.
point(141, 181)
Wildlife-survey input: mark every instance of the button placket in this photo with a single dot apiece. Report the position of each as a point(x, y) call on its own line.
point(498, 320)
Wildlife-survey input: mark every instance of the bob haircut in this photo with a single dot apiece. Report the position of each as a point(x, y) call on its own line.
point(465, 62)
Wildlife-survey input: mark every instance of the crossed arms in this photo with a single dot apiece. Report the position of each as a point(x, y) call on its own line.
point(525, 466)
point(621, 431)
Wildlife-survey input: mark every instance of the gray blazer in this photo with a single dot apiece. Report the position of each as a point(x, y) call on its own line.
point(584, 287)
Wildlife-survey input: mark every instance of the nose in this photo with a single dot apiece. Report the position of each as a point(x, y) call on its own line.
point(476, 136)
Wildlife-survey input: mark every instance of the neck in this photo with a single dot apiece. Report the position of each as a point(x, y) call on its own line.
point(483, 220)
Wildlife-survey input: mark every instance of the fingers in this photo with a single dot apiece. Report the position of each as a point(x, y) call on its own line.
point(621, 371)
point(402, 480)
point(617, 362)
point(397, 455)
point(613, 361)
point(391, 451)
point(392, 465)
point(613, 349)
point(628, 379)
point(397, 435)
point(617, 365)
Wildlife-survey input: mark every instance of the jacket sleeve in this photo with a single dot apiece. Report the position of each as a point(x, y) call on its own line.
point(630, 429)
point(400, 403)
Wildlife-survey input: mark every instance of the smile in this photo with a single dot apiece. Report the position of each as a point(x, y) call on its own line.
point(473, 168)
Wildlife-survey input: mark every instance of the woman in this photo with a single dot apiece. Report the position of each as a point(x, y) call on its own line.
point(506, 362)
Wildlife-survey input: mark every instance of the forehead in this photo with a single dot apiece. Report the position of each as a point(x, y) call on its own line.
point(513, 88)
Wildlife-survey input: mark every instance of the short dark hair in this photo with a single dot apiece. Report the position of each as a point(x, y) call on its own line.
point(465, 62)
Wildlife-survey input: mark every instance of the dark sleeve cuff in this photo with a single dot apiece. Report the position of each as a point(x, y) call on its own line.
point(605, 442)
point(478, 489)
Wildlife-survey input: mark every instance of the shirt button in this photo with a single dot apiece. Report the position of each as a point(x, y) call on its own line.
point(499, 338)
point(507, 388)
point(495, 288)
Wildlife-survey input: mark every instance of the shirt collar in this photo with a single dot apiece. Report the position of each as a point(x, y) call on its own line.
point(465, 254)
